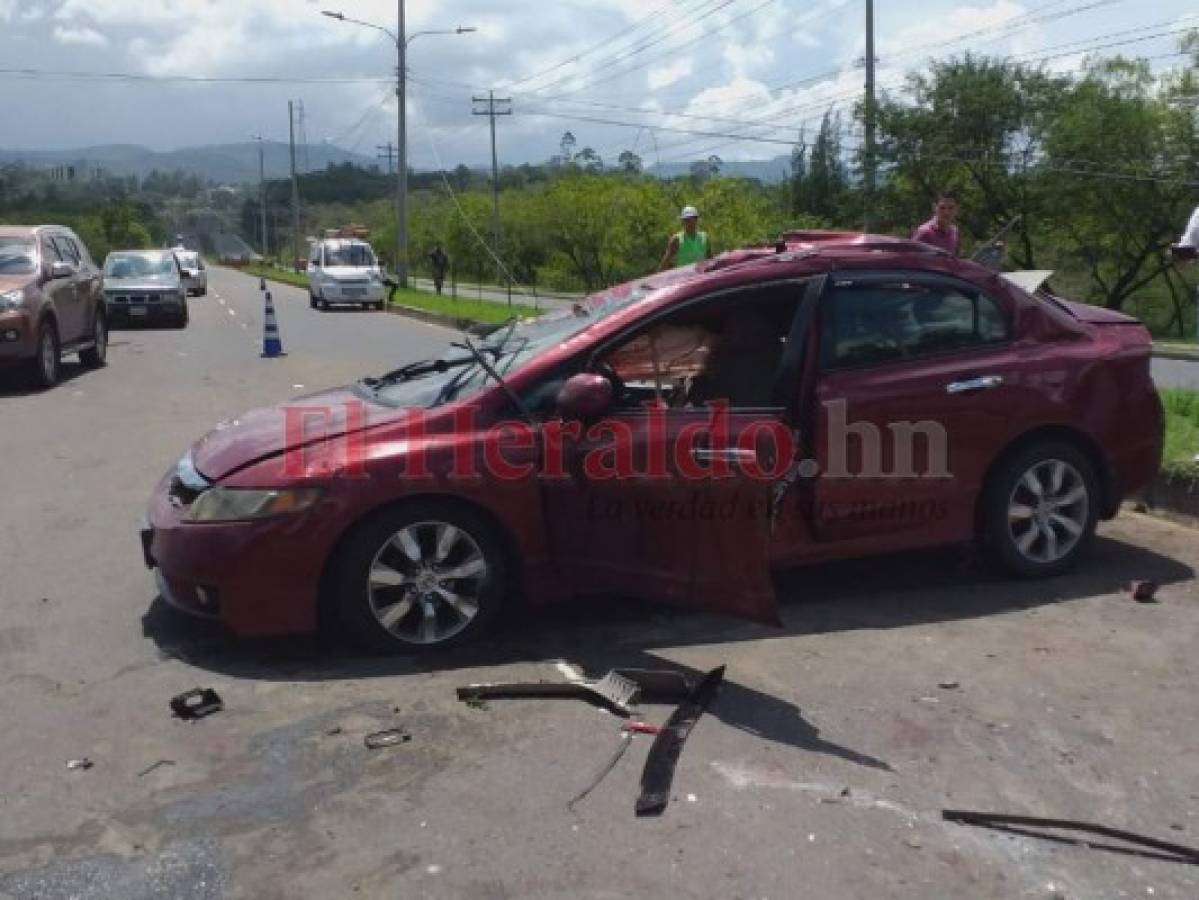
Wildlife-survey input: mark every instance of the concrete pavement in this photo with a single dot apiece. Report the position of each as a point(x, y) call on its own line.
point(820, 770)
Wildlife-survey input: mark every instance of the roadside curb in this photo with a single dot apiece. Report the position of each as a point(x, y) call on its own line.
point(1180, 355)
point(458, 323)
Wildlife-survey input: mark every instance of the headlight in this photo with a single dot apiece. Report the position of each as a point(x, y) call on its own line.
point(222, 504)
point(11, 300)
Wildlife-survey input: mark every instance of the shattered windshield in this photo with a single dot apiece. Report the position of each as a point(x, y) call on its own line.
point(458, 376)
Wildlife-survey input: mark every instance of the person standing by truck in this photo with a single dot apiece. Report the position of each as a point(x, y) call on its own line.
point(689, 245)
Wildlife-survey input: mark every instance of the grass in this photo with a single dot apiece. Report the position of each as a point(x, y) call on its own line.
point(1182, 431)
point(485, 311)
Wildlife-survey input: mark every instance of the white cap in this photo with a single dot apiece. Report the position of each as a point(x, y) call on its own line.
point(1190, 237)
point(689, 212)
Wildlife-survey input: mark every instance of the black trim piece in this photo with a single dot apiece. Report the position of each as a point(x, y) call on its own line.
point(1018, 825)
point(658, 774)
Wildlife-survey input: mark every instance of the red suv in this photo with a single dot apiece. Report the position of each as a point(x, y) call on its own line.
point(679, 437)
point(51, 301)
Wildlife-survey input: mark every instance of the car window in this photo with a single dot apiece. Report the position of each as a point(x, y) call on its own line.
point(870, 324)
point(18, 256)
point(66, 249)
point(727, 349)
point(50, 252)
point(135, 265)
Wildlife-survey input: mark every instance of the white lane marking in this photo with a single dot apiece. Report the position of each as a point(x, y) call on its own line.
point(232, 312)
point(245, 325)
point(220, 300)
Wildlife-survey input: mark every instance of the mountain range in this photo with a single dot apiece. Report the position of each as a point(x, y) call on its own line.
point(238, 163)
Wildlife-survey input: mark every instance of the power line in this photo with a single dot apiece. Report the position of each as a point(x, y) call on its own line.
point(74, 75)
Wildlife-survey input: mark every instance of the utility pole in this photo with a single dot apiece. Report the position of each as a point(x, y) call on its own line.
point(295, 191)
point(389, 153)
point(869, 151)
point(401, 243)
point(491, 107)
point(402, 40)
point(262, 195)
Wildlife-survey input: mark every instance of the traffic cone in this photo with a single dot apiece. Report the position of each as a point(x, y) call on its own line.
point(272, 345)
point(262, 284)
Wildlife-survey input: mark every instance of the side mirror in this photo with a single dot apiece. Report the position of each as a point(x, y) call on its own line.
point(61, 269)
point(584, 396)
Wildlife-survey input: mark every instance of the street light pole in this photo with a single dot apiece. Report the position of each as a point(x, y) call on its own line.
point(401, 39)
point(401, 242)
point(262, 194)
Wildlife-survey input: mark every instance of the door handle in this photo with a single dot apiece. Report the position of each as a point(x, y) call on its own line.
point(732, 455)
point(982, 383)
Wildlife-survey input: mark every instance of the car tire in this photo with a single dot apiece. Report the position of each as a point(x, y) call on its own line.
point(183, 318)
point(385, 584)
point(366, 306)
point(379, 306)
point(311, 300)
point(96, 355)
point(45, 366)
point(1040, 510)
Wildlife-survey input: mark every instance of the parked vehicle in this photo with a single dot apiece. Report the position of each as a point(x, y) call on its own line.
point(145, 286)
point(50, 301)
point(195, 273)
point(677, 438)
point(344, 271)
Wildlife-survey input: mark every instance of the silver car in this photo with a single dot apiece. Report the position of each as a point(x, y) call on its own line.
point(195, 274)
point(145, 286)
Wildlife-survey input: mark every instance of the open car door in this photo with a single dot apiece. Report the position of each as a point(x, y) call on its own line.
point(670, 494)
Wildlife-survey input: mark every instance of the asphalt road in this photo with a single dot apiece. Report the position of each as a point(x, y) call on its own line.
point(1182, 373)
point(894, 689)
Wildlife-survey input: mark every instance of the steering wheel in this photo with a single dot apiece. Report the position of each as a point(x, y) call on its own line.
point(618, 385)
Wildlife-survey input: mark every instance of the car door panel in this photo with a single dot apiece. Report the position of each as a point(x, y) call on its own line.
point(904, 444)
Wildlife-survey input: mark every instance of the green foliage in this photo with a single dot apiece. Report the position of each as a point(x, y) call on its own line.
point(1182, 429)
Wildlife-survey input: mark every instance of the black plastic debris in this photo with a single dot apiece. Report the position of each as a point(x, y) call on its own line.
point(197, 703)
point(391, 737)
point(658, 774)
point(1143, 591)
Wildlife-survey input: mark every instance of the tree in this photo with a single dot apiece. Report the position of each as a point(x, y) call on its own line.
point(589, 161)
point(703, 169)
point(827, 179)
point(1119, 162)
point(630, 162)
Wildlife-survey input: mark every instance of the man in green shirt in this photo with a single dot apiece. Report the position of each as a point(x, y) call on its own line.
point(689, 245)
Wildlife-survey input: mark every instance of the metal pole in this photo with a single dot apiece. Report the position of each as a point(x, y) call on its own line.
point(295, 193)
point(262, 198)
point(401, 243)
point(869, 160)
point(495, 194)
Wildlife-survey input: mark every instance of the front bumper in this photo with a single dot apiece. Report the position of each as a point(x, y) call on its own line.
point(356, 293)
point(143, 312)
point(258, 578)
point(17, 340)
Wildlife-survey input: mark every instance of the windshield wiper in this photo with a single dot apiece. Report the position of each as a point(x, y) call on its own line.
point(481, 358)
point(412, 370)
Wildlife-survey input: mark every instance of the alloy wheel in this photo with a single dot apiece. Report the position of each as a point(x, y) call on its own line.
point(48, 357)
point(426, 582)
point(1048, 511)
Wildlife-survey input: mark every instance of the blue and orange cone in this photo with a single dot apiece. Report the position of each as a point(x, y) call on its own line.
point(272, 344)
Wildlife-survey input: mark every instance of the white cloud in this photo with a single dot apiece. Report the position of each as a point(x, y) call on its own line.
point(664, 76)
point(80, 35)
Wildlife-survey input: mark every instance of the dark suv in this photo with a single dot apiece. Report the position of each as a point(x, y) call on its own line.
point(51, 301)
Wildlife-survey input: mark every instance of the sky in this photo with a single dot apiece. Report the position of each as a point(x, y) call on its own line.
point(618, 74)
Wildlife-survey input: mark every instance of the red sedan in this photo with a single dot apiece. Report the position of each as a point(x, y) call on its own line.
point(676, 438)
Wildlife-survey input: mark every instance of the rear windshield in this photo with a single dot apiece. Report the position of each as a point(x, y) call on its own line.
point(359, 255)
point(190, 260)
point(18, 256)
point(136, 265)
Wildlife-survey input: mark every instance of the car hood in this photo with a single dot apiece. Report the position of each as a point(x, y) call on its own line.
point(270, 431)
point(147, 282)
point(13, 282)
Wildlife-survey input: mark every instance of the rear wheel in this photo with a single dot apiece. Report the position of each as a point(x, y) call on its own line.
point(419, 577)
point(1041, 510)
point(379, 306)
point(44, 367)
point(97, 354)
point(183, 317)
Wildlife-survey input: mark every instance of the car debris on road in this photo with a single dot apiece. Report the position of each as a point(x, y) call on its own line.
point(390, 737)
point(197, 704)
point(1143, 591)
point(658, 774)
point(83, 764)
